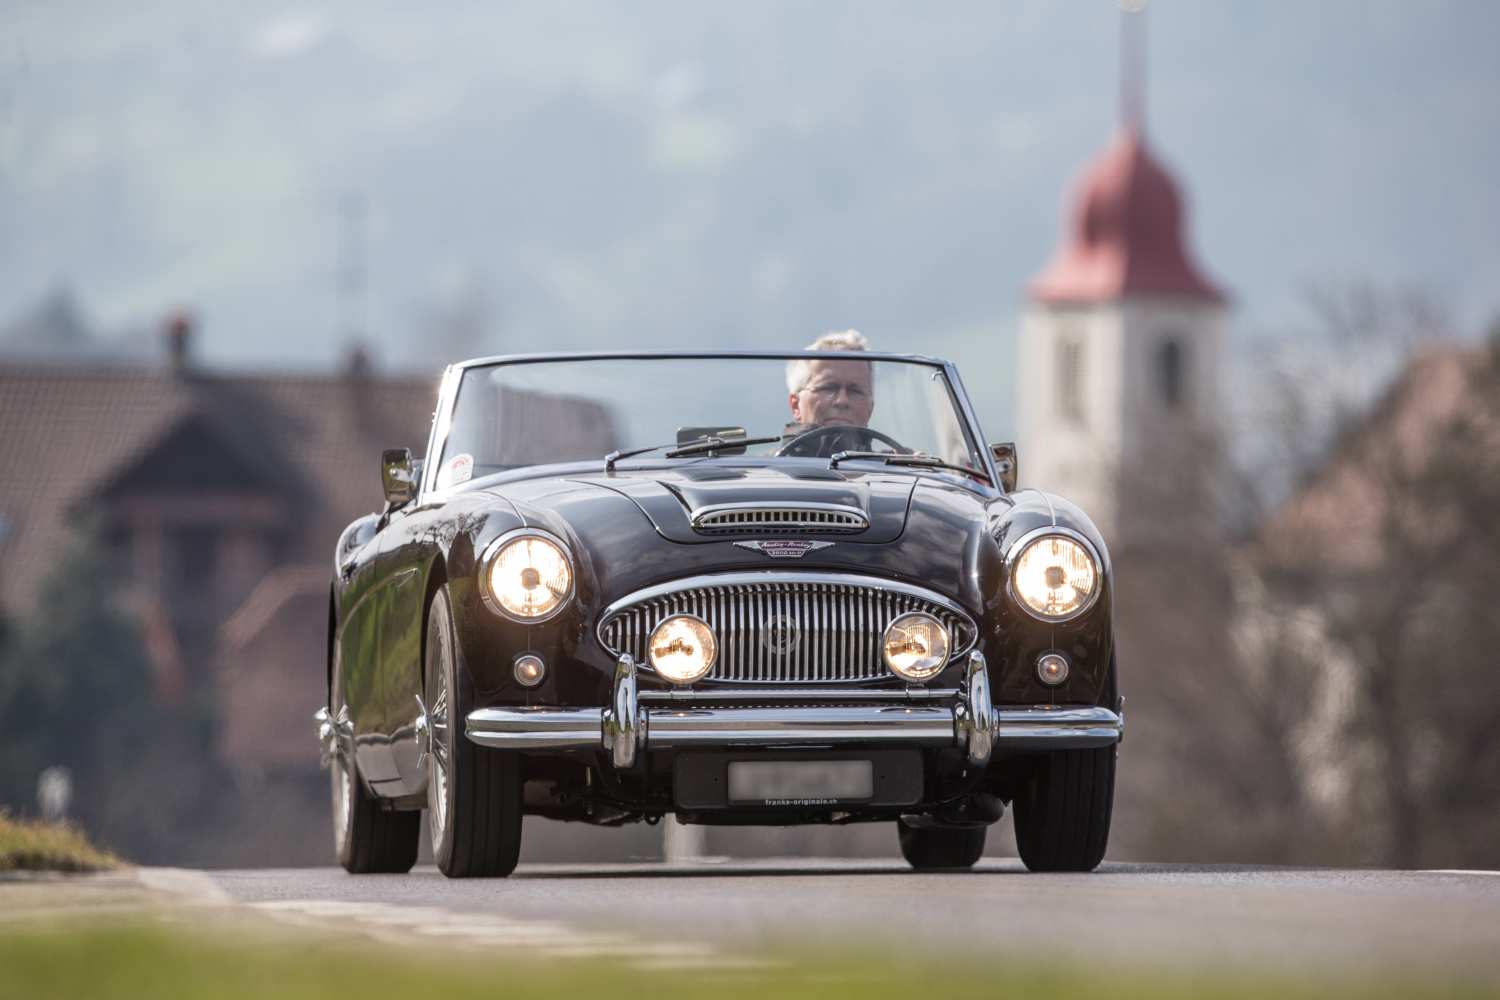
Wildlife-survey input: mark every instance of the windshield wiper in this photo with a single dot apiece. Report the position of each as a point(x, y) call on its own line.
point(895, 458)
point(694, 447)
point(715, 443)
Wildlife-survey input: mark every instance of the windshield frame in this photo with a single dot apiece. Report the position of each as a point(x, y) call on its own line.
point(448, 392)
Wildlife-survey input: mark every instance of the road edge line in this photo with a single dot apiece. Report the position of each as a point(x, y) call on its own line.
point(197, 886)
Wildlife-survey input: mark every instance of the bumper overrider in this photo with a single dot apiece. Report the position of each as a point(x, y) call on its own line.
point(636, 721)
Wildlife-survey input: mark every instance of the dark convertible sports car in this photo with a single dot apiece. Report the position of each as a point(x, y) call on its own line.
point(747, 588)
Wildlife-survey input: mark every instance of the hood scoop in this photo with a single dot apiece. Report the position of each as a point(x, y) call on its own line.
point(785, 518)
point(687, 506)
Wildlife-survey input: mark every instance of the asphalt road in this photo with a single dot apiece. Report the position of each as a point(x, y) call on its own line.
point(1266, 917)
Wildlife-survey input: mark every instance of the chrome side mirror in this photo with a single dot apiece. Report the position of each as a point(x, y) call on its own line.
point(398, 474)
point(1006, 464)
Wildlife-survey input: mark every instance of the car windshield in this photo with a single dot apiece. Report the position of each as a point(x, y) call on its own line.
point(811, 405)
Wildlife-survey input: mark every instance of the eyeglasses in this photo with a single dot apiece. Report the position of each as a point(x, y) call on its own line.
point(828, 390)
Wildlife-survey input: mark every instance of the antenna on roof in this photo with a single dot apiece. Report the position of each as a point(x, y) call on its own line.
point(350, 276)
point(1133, 64)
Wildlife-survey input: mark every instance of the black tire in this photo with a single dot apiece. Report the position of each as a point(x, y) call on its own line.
point(1062, 815)
point(367, 838)
point(938, 847)
point(476, 830)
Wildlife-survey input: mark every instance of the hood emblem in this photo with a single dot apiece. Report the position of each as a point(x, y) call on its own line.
point(784, 548)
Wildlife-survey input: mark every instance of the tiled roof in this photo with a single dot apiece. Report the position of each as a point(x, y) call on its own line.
point(1338, 518)
point(64, 432)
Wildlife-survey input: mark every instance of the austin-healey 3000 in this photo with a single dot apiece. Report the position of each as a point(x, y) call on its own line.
point(742, 588)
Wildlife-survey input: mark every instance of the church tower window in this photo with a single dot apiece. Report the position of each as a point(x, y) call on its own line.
point(1070, 378)
point(1170, 377)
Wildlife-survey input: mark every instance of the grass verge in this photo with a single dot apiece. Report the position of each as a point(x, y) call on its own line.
point(28, 845)
point(146, 959)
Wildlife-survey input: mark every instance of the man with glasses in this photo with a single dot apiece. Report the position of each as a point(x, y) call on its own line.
point(837, 392)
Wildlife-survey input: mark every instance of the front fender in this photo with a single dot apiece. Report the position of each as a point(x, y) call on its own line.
point(1019, 639)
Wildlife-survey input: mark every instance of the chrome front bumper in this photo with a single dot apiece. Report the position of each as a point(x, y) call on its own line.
point(636, 721)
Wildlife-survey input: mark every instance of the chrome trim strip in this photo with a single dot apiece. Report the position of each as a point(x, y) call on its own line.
point(772, 576)
point(627, 730)
point(972, 431)
point(809, 695)
point(1053, 728)
point(523, 728)
point(442, 423)
point(523, 359)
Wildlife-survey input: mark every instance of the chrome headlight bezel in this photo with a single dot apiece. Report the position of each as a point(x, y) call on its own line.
point(1018, 549)
point(492, 552)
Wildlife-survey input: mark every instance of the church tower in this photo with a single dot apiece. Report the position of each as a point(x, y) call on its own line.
point(1121, 347)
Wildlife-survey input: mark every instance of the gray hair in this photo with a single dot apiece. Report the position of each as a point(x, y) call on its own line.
point(798, 371)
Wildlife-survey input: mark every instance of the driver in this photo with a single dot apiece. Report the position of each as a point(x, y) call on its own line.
point(838, 391)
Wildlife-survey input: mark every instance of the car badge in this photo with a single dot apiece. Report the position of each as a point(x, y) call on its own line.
point(780, 633)
point(784, 548)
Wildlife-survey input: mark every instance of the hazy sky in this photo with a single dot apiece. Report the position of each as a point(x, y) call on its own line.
point(564, 175)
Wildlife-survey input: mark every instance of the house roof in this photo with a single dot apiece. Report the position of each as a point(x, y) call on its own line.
point(70, 431)
point(1339, 519)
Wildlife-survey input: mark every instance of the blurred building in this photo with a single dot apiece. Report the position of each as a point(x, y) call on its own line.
point(1121, 349)
point(219, 497)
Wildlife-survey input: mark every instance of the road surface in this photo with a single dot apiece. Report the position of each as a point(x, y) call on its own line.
point(1283, 918)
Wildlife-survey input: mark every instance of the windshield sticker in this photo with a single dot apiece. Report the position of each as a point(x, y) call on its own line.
point(784, 548)
point(460, 469)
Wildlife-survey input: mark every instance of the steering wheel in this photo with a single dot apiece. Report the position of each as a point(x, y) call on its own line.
point(821, 442)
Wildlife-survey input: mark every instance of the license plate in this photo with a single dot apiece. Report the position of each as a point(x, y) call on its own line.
point(799, 782)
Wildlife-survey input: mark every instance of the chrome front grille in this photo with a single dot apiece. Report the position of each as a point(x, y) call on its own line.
point(784, 628)
point(791, 518)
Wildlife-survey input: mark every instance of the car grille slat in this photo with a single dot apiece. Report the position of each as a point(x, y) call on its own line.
point(797, 631)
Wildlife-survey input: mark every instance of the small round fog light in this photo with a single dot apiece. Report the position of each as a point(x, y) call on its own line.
point(682, 649)
point(1052, 668)
point(529, 670)
point(915, 647)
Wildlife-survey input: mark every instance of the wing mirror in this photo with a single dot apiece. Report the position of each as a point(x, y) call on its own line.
point(1006, 464)
point(398, 474)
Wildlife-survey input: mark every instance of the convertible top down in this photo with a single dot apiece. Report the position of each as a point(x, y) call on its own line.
point(742, 588)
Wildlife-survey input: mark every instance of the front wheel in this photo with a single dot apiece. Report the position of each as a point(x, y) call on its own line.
point(1062, 815)
point(473, 793)
point(938, 847)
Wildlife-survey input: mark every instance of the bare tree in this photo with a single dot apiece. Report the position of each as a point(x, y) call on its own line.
point(1323, 688)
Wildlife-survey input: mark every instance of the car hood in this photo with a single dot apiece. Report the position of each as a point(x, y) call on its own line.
point(670, 498)
point(633, 529)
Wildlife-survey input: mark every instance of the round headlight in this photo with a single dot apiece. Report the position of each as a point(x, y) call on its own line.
point(527, 578)
point(1055, 578)
point(682, 649)
point(915, 646)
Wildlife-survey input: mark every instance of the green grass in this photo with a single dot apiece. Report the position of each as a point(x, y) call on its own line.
point(235, 963)
point(48, 847)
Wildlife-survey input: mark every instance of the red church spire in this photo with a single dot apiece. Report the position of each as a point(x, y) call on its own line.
point(1126, 224)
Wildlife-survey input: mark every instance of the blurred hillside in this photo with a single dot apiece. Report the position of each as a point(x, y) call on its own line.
point(471, 180)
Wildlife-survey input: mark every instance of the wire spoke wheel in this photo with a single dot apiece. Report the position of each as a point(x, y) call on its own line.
point(439, 666)
point(473, 793)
